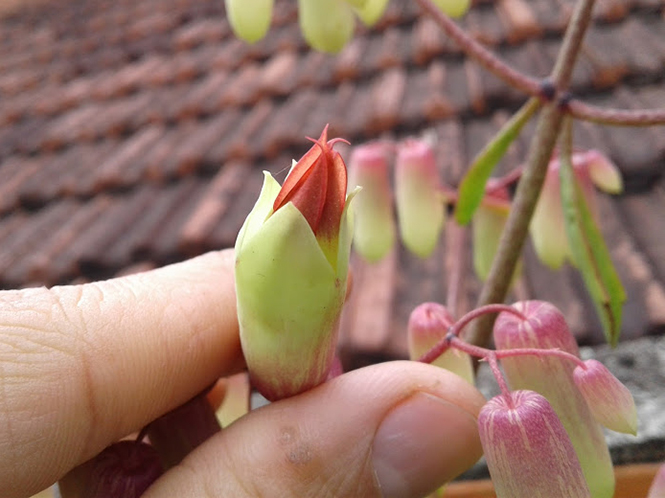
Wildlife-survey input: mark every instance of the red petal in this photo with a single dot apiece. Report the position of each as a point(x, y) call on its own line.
point(335, 196)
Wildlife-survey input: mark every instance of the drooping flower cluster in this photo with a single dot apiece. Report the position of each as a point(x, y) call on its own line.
point(543, 439)
point(327, 25)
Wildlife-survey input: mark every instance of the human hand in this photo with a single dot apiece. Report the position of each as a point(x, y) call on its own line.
point(83, 366)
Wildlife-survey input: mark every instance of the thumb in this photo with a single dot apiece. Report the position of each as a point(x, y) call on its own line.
point(399, 429)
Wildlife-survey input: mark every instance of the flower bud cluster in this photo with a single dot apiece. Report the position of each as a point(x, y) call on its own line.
point(418, 195)
point(327, 25)
point(544, 438)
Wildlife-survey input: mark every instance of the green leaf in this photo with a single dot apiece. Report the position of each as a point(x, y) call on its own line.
point(590, 253)
point(472, 188)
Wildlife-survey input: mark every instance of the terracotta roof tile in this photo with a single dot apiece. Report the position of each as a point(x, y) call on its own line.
point(348, 63)
point(213, 204)
point(520, 20)
point(278, 74)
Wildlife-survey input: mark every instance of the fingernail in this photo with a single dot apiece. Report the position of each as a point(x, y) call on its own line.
point(422, 443)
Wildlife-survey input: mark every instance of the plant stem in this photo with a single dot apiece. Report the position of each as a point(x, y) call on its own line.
point(528, 190)
point(616, 117)
point(480, 54)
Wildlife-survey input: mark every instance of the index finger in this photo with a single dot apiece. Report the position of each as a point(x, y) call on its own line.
point(82, 366)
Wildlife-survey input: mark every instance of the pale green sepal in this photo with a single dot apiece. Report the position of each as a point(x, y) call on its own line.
point(289, 300)
point(453, 8)
point(261, 210)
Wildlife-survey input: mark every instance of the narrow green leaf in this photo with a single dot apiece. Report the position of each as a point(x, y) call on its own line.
point(472, 188)
point(590, 253)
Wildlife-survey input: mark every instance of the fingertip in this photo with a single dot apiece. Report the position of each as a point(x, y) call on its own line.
point(398, 429)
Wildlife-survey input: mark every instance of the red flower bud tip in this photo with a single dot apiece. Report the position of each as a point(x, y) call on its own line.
point(428, 324)
point(528, 452)
point(124, 469)
point(657, 489)
point(316, 185)
point(609, 400)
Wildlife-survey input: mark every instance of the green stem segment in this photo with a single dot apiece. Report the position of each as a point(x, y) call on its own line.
point(529, 187)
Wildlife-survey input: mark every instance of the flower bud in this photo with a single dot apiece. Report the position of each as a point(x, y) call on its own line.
point(374, 227)
point(604, 173)
point(249, 19)
point(428, 324)
point(609, 400)
point(657, 489)
point(370, 11)
point(547, 227)
point(453, 8)
point(292, 257)
point(546, 328)
point(528, 452)
point(327, 25)
point(126, 469)
point(420, 208)
point(488, 223)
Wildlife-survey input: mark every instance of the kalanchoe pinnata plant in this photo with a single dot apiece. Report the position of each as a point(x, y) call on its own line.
point(609, 400)
point(547, 225)
point(374, 225)
point(546, 328)
point(420, 202)
point(428, 324)
point(292, 256)
point(529, 454)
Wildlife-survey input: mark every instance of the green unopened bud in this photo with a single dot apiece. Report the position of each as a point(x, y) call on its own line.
point(604, 173)
point(371, 11)
point(546, 328)
point(420, 206)
point(374, 226)
point(529, 454)
point(292, 257)
point(249, 19)
point(488, 223)
point(428, 324)
point(327, 25)
point(453, 8)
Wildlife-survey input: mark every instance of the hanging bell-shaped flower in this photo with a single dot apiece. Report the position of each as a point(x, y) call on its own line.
point(374, 225)
point(249, 19)
point(609, 400)
point(546, 328)
point(420, 204)
point(428, 324)
point(528, 452)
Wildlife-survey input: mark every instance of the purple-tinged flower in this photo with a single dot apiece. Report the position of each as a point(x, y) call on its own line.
point(657, 489)
point(420, 204)
point(428, 324)
point(546, 328)
point(528, 452)
point(547, 226)
point(374, 225)
point(609, 400)
point(126, 469)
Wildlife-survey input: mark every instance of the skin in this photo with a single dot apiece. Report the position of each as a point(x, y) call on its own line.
point(84, 366)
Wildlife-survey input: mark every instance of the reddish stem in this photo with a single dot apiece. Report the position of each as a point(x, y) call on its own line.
point(480, 54)
point(443, 344)
point(494, 366)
